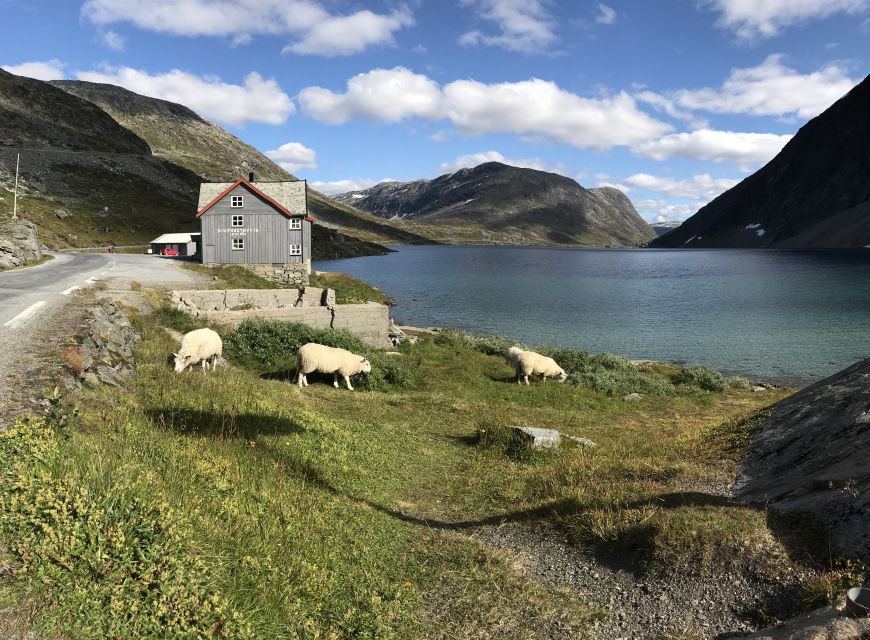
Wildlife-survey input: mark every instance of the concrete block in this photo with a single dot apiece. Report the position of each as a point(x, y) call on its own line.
point(311, 297)
point(329, 298)
point(633, 397)
point(537, 438)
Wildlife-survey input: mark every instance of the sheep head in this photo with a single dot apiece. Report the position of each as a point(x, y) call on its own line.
point(366, 366)
point(181, 362)
point(562, 375)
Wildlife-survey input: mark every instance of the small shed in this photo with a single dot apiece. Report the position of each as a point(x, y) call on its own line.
point(184, 243)
point(255, 223)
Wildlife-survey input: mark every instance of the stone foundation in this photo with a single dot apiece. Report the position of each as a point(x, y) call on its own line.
point(294, 275)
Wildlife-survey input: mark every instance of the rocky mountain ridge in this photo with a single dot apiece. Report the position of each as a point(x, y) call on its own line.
point(501, 203)
point(814, 194)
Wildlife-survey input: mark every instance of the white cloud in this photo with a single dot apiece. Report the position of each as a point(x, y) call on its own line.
point(656, 210)
point(525, 25)
point(534, 109)
point(699, 187)
point(40, 70)
point(754, 19)
point(538, 109)
point(474, 159)
point(318, 31)
point(666, 105)
point(771, 89)
point(333, 187)
point(113, 40)
point(294, 156)
point(257, 100)
point(387, 95)
point(606, 15)
point(346, 35)
point(717, 146)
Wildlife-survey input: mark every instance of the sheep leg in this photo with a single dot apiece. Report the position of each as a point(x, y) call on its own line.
point(526, 378)
point(300, 378)
point(335, 380)
point(347, 382)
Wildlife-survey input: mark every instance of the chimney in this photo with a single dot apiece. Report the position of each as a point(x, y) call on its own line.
point(251, 176)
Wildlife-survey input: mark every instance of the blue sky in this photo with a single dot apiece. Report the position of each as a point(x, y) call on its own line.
point(672, 101)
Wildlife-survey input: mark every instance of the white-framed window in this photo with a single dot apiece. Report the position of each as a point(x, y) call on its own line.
point(238, 221)
point(295, 223)
point(295, 249)
point(238, 244)
point(237, 202)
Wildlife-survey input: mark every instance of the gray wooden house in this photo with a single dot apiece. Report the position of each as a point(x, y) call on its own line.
point(255, 223)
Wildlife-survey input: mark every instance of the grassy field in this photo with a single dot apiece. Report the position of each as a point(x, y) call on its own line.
point(237, 505)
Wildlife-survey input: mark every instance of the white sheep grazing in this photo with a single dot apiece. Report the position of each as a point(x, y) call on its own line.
point(527, 363)
point(322, 359)
point(199, 346)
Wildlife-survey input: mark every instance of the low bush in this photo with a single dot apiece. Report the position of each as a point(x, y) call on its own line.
point(505, 442)
point(609, 374)
point(271, 346)
point(169, 316)
point(701, 376)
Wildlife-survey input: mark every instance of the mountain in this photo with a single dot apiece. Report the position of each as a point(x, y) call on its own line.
point(661, 228)
point(814, 194)
point(497, 203)
point(182, 137)
point(84, 178)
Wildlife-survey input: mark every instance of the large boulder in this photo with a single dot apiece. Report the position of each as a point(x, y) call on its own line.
point(812, 454)
point(18, 243)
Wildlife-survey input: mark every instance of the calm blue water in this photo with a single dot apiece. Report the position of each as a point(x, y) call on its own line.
point(783, 315)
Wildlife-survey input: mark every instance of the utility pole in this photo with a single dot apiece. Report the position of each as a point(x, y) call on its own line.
point(15, 197)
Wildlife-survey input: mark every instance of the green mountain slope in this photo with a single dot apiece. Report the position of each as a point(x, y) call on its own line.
point(179, 135)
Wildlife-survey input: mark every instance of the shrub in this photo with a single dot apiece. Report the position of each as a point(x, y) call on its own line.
point(739, 383)
point(173, 318)
point(609, 374)
point(702, 376)
point(452, 338)
point(491, 345)
point(74, 360)
point(504, 441)
point(271, 345)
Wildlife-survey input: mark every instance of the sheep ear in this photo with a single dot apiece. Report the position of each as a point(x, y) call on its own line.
point(175, 354)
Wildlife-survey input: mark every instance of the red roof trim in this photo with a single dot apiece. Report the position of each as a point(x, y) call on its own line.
point(310, 218)
point(253, 190)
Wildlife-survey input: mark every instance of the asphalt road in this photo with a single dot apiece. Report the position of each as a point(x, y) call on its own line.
point(27, 294)
point(33, 299)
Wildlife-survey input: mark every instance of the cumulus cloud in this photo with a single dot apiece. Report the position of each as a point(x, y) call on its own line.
point(474, 159)
point(716, 146)
point(535, 109)
point(755, 19)
point(386, 95)
point(667, 105)
point(256, 100)
point(699, 187)
point(333, 187)
point(524, 25)
point(770, 89)
point(294, 156)
point(346, 35)
point(52, 69)
point(606, 15)
point(539, 109)
point(315, 29)
point(113, 40)
point(658, 210)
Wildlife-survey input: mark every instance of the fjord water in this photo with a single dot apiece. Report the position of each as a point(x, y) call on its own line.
point(791, 316)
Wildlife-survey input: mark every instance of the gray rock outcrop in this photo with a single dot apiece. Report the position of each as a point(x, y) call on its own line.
point(18, 243)
point(107, 350)
point(812, 454)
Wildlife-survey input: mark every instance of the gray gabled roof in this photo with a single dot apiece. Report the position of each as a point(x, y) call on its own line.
point(290, 195)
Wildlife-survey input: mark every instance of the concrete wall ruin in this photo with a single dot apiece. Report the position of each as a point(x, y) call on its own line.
point(312, 306)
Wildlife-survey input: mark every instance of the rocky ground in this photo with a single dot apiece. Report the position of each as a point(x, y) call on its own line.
point(648, 607)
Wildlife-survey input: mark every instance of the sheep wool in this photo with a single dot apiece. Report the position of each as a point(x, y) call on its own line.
point(199, 346)
point(313, 357)
point(527, 363)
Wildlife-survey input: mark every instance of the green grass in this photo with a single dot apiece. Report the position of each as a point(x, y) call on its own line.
point(232, 277)
point(324, 513)
point(349, 290)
